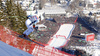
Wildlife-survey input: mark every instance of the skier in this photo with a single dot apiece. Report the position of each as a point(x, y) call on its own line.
point(30, 23)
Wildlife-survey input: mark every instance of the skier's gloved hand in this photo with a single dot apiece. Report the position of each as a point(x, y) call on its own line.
point(33, 25)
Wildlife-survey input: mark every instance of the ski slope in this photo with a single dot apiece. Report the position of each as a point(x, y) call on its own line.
point(7, 50)
point(62, 36)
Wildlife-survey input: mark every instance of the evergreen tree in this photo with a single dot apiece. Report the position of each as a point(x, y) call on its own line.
point(21, 18)
point(41, 5)
point(0, 8)
point(2, 14)
point(15, 16)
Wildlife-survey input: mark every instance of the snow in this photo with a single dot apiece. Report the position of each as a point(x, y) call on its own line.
point(57, 42)
point(65, 30)
point(30, 12)
point(96, 53)
point(33, 12)
point(31, 8)
point(7, 50)
point(47, 9)
point(97, 17)
point(48, 4)
point(56, 11)
point(2, 19)
point(93, 1)
point(24, 3)
point(92, 47)
point(18, 2)
point(85, 11)
point(62, 36)
point(40, 13)
point(33, 4)
point(53, 9)
point(98, 36)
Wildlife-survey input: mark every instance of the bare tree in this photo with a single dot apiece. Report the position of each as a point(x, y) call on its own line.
point(52, 2)
point(75, 5)
point(98, 5)
point(42, 2)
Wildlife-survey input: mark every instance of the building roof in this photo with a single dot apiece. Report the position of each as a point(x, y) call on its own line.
point(56, 11)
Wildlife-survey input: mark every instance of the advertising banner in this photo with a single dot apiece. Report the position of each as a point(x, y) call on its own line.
point(89, 37)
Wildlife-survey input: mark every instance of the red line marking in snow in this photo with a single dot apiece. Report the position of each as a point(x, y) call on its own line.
point(76, 20)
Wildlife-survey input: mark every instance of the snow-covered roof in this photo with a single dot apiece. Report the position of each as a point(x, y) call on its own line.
point(30, 12)
point(48, 4)
point(39, 12)
point(18, 2)
point(33, 4)
point(86, 11)
point(55, 11)
point(31, 7)
point(94, 1)
point(61, 1)
point(25, 3)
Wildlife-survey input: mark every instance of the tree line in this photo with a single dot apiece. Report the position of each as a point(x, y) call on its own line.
point(12, 16)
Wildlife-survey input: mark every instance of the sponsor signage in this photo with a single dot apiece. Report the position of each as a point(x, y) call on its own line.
point(89, 37)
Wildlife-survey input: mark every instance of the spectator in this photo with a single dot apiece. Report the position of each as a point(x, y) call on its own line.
point(90, 14)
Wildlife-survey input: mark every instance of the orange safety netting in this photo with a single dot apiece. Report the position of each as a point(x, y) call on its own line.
point(10, 37)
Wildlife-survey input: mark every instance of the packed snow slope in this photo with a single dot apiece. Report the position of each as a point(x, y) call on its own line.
point(62, 36)
point(7, 50)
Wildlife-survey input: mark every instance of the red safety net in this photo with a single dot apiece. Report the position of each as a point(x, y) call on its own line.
point(10, 37)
